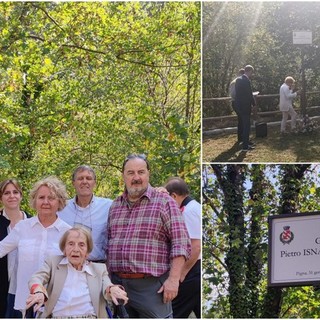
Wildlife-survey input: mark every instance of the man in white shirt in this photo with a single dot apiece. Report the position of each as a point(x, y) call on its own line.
point(287, 94)
point(189, 295)
point(88, 211)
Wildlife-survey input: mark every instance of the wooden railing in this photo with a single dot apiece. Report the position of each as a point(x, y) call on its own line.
point(258, 97)
point(219, 121)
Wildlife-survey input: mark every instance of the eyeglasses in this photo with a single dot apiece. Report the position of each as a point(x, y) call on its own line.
point(135, 156)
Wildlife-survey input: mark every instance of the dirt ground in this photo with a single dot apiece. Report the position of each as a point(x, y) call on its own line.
point(275, 148)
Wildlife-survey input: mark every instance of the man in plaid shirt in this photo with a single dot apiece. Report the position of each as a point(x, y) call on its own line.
point(148, 243)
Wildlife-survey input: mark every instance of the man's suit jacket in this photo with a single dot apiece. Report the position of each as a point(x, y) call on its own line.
point(53, 276)
point(244, 96)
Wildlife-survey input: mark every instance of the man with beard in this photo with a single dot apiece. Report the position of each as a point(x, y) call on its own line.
point(148, 243)
point(88, 211)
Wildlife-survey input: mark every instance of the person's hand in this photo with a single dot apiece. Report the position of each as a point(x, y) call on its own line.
point(170, 289)
point(36, 300)
point(161, 189)
point(118, 293)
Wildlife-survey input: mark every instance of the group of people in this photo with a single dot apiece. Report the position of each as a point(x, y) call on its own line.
point(243, 103)
point(74, 258)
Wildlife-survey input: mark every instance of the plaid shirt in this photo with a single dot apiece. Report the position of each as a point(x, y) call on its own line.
point(144, 237)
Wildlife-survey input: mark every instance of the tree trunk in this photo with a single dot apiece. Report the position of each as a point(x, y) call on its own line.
point(231, 183)
point(292, 176)
point(255, 251)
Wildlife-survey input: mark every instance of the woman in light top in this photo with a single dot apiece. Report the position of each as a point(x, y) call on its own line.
point(10, 215)
point(287, 94)
point(75, 287)
point(37, 237)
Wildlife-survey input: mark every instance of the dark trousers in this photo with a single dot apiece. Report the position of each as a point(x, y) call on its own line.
point(189, 295)
point(239, 128)
point(3, 301)
point(245, 120)
point(144, 299)
point(11, 312)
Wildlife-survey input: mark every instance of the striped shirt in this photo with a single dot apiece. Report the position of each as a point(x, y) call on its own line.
point(145, 236)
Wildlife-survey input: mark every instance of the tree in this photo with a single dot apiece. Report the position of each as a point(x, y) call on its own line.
point(237, 200)
point(92, 82)
point(290, 180)
point(260, 34)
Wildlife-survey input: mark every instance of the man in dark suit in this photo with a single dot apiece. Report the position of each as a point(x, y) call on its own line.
point(232, 92)
point(244, 102)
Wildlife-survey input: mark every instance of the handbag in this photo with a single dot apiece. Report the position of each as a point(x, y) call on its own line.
point(261, 130)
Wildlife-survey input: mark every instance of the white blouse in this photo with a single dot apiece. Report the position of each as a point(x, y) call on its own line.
point(75, 298)
point(34, 243)
point(12, 261)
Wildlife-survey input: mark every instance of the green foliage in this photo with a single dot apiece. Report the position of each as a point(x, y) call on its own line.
point(237, 202)
point(258, 33)
point(301, 303)
point(91, 82)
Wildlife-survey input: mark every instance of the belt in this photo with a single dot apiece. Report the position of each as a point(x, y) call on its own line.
point(132, 275)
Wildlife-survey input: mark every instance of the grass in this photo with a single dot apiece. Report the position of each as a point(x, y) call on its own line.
point(299, 147)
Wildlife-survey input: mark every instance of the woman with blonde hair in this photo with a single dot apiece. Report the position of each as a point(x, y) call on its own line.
point(37, 237)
